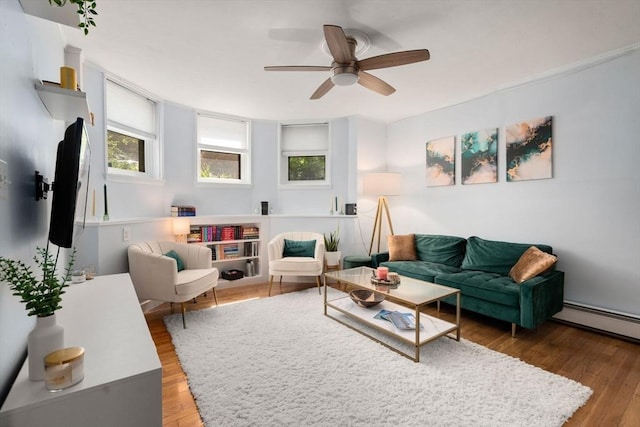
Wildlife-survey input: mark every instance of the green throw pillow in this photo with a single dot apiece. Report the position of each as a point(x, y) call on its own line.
point(299, 248)
point(173, 254)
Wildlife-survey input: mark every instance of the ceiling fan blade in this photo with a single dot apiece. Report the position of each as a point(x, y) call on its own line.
point(375, 84)
point(337, 43)
point(297, 68)
point(323, 89)
point(394, 59)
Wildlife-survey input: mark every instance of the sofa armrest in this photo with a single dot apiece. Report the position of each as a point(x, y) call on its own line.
point(153, 275)
point(376, 259)
point(540, 298)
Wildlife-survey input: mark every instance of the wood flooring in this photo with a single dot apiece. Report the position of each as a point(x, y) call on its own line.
point(609, 365)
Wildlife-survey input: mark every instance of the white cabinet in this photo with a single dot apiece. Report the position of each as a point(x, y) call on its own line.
point(122, 383)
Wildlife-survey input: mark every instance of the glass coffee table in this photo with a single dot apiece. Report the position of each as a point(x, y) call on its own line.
point(408, 297)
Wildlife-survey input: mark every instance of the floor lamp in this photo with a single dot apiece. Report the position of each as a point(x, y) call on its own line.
point(381, 185)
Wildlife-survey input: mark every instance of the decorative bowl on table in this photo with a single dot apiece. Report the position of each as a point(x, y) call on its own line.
point(365, 298)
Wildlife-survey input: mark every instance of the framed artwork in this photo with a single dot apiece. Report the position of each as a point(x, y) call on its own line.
point(479, 154)
point(441, 162)
point(529, 150)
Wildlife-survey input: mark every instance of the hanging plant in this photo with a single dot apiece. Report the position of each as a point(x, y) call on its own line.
point(86, 8)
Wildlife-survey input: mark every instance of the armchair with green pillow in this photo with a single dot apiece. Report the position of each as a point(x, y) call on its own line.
point(171, 272)
point(514, 282)
point(296, 253)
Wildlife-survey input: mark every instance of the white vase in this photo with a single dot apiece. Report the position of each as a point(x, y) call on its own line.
point(45, 337)
point(332, 258)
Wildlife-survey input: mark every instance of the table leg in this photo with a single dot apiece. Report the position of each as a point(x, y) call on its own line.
point(458, 316)
point(324, 278)
point(417, 343)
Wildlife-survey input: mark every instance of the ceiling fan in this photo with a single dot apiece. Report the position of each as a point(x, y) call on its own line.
point(347, 70)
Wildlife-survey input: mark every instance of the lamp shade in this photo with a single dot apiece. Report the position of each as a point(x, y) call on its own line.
point(382, 184)
point(181, 226)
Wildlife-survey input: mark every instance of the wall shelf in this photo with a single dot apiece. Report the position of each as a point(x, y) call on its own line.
point(66, 15)
point(64, 104)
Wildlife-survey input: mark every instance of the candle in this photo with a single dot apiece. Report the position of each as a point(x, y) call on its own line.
point(381, 273)
point(336, 203)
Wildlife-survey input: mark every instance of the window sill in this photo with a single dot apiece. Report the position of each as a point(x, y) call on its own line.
point(112, 177)
point(229, 185)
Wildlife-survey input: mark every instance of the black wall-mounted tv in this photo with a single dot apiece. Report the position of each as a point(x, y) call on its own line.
point(70, 185)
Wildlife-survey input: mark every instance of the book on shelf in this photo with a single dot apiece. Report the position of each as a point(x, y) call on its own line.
point(250, 233)
point(251, 249)
point(181, 210)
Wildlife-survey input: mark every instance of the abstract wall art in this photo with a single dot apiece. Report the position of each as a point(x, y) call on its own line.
point(441, 162)
point(529, 150)
point(479, 154)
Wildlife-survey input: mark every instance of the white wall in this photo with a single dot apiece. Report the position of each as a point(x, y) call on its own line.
point(30, 48)
point(589, 211)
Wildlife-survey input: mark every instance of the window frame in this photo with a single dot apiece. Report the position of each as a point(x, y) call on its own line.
point(284, 155)
point(245, 153)
point(153, 152)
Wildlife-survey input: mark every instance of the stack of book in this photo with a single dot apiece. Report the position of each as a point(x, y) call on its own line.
point(229, 251)
point(250, 233)
point(177, 210)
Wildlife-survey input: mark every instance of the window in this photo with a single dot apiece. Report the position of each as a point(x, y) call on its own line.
point(304, 152)
point(223, 149)
point(133, 148)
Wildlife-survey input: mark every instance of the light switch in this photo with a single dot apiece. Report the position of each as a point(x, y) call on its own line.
point(4, 180)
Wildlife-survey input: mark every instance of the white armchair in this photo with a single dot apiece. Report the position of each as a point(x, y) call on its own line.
point(156, 277)
point(280, 265)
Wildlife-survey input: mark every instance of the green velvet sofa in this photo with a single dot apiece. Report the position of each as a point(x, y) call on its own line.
point(480, 269)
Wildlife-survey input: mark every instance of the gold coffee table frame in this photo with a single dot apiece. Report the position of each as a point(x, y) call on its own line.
point(411, 294)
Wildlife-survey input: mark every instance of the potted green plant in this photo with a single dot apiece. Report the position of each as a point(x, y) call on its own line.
point(331, 252)
point(42, 295)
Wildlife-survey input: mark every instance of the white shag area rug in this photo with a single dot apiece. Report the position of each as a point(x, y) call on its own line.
point(279, 361)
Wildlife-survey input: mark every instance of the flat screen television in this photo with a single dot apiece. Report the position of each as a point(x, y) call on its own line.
point(70, 186)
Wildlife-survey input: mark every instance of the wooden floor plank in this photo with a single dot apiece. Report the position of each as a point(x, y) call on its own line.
point(609, 365)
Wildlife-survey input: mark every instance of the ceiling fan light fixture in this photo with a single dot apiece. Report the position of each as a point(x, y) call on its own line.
point(344, 79)
point(344, 75)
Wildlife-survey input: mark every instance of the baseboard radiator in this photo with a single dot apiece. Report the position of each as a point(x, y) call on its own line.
point(601, 319)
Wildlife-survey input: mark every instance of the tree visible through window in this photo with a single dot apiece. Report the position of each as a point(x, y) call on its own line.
point(214, 164)
point(223, 149)
point(307, 168)
point(125, 152)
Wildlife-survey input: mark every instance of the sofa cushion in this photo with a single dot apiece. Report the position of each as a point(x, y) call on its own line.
point(494, 256)
point(448, 250)
point(179, 263)
point(299, 248)
point(485, 286)
point(532, 262)
point(402, 247)
point(421, 270)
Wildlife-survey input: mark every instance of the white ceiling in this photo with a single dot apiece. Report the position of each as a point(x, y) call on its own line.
point(210, 54)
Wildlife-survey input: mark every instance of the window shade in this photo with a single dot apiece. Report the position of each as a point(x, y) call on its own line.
point(128, 108)
point(222, 132)
point(305, 137)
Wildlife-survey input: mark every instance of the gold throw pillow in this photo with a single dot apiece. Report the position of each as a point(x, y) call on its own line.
point(402, 248)
point(532, 262)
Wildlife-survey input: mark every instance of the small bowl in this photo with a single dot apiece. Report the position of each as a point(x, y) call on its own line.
point(366, 298)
